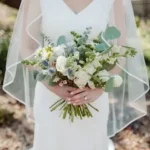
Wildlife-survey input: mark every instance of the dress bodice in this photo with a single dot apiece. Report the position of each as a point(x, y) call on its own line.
point(58, 19)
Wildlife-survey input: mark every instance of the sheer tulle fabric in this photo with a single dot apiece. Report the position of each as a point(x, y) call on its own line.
point(127, 103)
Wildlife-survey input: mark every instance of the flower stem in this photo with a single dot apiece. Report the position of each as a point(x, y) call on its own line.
point(57, 105)
point(93, 107)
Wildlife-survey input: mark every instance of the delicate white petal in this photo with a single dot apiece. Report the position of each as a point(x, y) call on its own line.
point(61, 63)
point(91, 84)
point(117, 81)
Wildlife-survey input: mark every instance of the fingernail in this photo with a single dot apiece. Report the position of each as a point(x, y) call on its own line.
point(69, 99)
point(69, 102)
point(71, 93)
point(74, 104)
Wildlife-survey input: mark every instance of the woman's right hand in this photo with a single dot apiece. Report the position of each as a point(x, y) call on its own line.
point(63, 92)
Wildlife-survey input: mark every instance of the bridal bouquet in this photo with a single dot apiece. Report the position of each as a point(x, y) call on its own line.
point(83, 62)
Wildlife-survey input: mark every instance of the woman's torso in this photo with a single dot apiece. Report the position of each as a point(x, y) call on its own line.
point(58, 19)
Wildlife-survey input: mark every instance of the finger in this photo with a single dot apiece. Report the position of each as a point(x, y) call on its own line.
point(78, 91)
point(79, 97)
point(70, 89)
point(84, 101)
point(81, 101)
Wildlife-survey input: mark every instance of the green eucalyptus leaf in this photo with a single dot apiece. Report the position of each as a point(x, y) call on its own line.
point(101, 47)
point(40, 77)
point(107, 50)
point(51, 83)
point(109, 85)
point(112, 33)
point(61, 40)
point(100, 37)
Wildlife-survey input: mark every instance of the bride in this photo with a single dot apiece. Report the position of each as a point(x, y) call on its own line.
point(117, 109)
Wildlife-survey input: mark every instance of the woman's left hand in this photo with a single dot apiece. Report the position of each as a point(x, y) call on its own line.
point(84, 96)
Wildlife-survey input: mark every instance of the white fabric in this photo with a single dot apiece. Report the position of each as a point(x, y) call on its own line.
point(54, 18)
point(54, 133)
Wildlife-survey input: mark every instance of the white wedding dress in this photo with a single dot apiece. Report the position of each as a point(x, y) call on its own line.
point(52, 132)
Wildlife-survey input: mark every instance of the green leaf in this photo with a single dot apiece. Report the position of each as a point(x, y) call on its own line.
point(107, 50)
point(109, 67)
point(51, 83)
point(40, 77)
point(112, 33)
point(109, 85)
point(100, 37)
point(61, 40)
point(101, 47)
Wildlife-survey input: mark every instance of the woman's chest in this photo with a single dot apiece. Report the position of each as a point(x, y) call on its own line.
point(59, 17)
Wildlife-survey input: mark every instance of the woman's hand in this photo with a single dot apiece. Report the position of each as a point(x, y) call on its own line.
point(84, 96)
point(63, 92)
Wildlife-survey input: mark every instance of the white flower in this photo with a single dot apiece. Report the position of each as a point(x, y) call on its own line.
point(45, 55)
point(90, 43)
point(61, 63)
point(70, 43)
point(104, 57)
point(91, 84)
point(96, 63)
point(116, 49)
point(56, 79)
point(45, 72)
point(112, 61)
point(117, 81)
point(81, 78)
point(90, 69)
point(59, 50)
point(81, 83)
point(104, 75)
point(38, 51)
point(77, 55)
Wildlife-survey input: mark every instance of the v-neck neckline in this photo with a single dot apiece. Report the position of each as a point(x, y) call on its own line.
point(81, 12)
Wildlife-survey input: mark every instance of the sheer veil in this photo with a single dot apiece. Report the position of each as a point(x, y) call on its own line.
point(127, 103)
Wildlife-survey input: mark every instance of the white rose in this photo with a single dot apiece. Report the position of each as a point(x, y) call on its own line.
point(61, 63)
point(59, 50)
point(82, 78)
point(104, 75)
point(80, 83)
point(82, 74)
point(117, 81)
point(91, 84)
point(90, 69)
